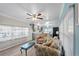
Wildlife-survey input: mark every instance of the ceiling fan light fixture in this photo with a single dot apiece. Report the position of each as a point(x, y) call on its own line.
point(34, 19)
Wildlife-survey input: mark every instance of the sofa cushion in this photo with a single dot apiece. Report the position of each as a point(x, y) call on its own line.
point(46, 51)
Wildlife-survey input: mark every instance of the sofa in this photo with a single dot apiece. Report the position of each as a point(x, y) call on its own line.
point(49, 46)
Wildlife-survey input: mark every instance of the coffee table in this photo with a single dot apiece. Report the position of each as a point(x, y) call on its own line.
point(26, 46)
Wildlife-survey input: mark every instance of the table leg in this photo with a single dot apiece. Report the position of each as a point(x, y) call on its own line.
point(21, 51)
point(26, 52)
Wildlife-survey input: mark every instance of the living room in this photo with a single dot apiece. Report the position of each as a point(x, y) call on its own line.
point(37, 29)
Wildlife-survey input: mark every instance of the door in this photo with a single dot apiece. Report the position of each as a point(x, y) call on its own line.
point(67, 31)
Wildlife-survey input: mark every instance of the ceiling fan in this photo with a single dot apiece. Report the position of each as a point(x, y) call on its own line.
point(35, 16)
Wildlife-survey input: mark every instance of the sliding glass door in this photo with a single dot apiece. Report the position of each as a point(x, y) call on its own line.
point(67, 31)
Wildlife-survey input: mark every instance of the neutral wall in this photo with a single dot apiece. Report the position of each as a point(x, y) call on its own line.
point(11, 22)
point(77, 40)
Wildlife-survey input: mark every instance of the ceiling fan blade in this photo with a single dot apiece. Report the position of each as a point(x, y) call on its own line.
point(28, 18)
point(39, 14)
point(39, 18)
point(29, 14)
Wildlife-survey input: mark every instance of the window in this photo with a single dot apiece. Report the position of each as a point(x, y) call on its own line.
point(8, 32)
point(67, 32)
point(48, 28)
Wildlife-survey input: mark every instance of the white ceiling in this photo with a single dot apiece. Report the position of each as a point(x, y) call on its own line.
point(18, 11)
